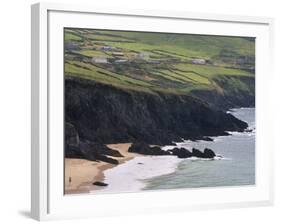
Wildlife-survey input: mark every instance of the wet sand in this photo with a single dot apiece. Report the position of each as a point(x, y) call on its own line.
point(80, 174)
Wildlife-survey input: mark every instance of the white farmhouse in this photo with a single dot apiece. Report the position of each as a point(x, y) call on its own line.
point(117, 54)
point(120, 61)
point(107, 48)
point(143, 55)
point(199, 61)
point(101, 60)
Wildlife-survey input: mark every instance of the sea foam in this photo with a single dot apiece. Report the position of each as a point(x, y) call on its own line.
point(130, 176)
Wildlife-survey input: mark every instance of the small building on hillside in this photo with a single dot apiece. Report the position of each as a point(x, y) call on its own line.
point(143, 56)
point(118, 61)
point(102, 60)
point(117, 54)
point(245, 60)
point(107, 48)
point(199, 61)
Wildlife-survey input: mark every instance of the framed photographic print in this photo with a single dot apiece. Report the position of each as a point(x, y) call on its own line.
point(148, 111)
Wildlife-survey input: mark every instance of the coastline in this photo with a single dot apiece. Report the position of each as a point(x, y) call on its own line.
point(83, 173)
point(236, 167)
point(136, 172)
point(170, 172)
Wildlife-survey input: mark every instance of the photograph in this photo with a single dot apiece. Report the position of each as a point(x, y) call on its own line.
point(149, 111)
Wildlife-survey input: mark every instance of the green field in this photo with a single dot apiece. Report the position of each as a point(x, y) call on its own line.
point(153, 62)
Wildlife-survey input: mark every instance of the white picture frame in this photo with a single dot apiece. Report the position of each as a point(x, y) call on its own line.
point(48, 200)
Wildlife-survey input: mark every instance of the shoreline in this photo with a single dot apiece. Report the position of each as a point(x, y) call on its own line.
point(84, 172)
point(143, 173)
point(80, 174)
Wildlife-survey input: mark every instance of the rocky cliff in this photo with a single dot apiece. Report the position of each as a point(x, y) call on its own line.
point(105, 114)
point(231, 92)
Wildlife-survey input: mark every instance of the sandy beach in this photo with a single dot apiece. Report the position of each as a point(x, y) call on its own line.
point(80, 174)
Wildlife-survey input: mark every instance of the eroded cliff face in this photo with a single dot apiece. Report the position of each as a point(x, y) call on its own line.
point(106, 114)
point(232, 92)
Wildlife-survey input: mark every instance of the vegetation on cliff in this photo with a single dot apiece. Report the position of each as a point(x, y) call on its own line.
point(154, 87)
point(159, 62)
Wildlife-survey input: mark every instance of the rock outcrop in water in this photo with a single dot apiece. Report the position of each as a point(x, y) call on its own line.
point(145, 149)
point(185, 153)
point(209, 153)
point(197, 153)
point(181, 152)
point(106, 114)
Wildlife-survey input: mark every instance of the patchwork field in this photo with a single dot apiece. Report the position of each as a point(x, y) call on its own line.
point(129, 93)
point(154, 62)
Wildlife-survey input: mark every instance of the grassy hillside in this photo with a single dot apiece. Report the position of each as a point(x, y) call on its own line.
point(153, 62)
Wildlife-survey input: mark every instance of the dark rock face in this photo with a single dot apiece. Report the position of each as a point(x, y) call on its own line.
point(158, 151)
point(231, 98)
point(72, 142)
point(209, 153)
point(181, 152)
point(71, 135)
point(95, 154)
point(197, 153)
point(89, 148)
point(90, 151)
point(73, 152)
point(145, 149)
point(98, 183)
point(205, 138)
point(184, 153)
point(106, 114)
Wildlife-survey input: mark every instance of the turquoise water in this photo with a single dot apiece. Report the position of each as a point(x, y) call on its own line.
point(235, 169)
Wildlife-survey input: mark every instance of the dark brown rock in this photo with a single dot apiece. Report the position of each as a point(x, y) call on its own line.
point(209, 153)
point(181, 152)
point(101, 184)
point(145, 149)
point(197, 153)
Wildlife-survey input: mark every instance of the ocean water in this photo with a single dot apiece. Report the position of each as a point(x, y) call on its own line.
point(236, 168)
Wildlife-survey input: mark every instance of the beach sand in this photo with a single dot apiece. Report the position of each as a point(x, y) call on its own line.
point(80, 174)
